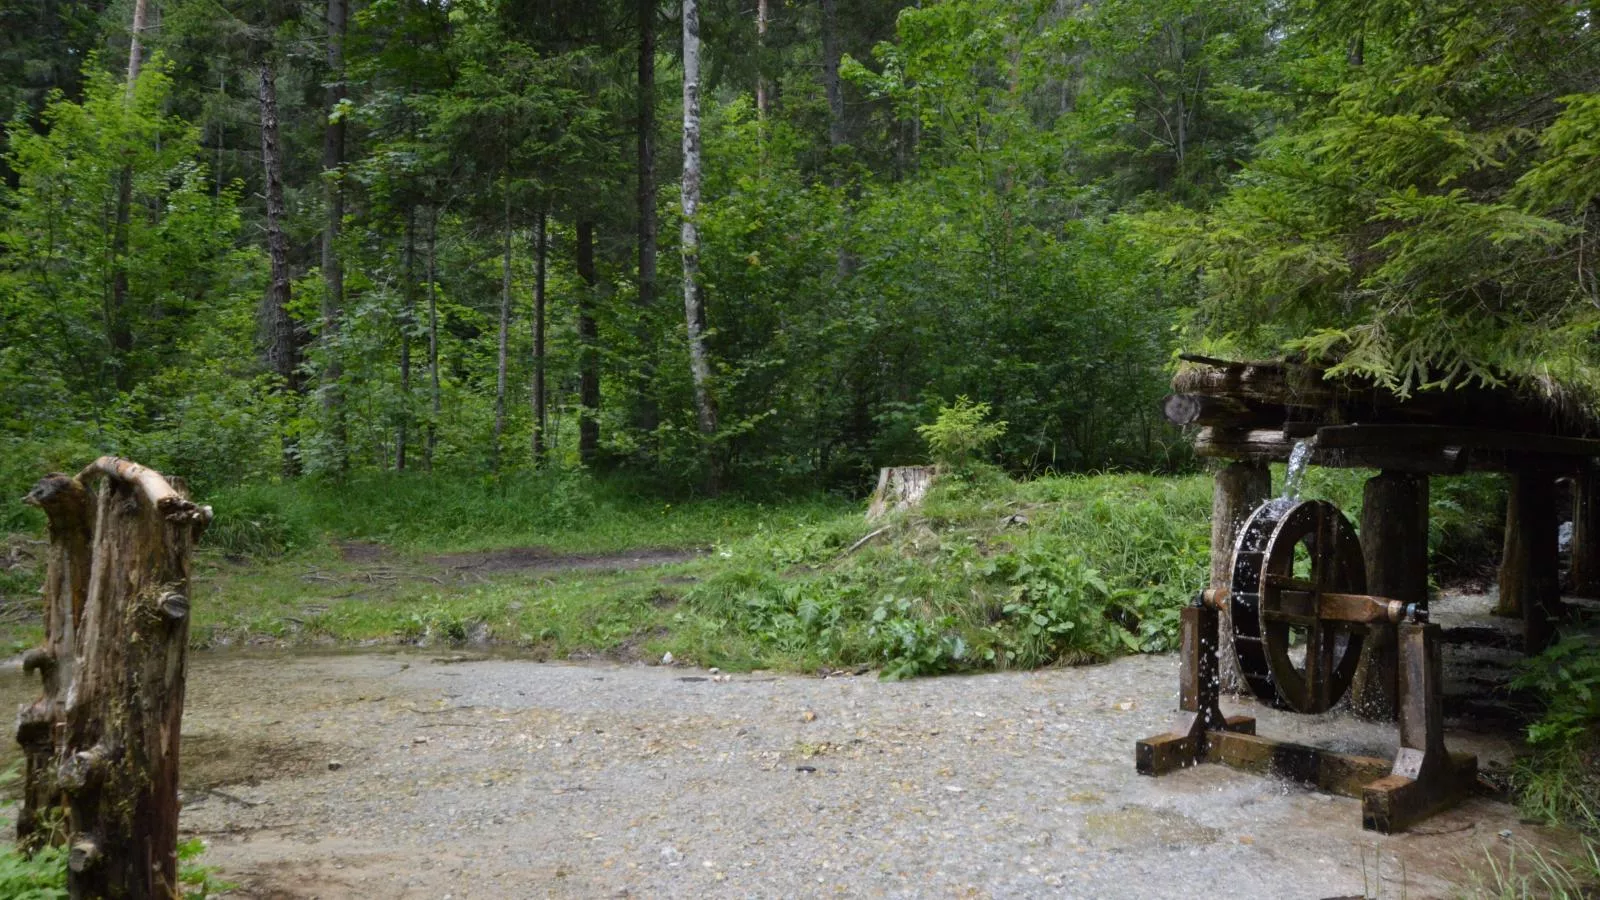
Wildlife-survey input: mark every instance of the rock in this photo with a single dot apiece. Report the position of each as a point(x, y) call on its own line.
point(808, 716)
point(715, 670)
point(334, 765)
point(666, 658)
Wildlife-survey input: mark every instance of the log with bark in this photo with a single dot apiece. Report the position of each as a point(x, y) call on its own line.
point(103, 740)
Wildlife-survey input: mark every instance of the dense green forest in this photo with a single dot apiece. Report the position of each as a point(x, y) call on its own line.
point(246, 240)
point(292, 249)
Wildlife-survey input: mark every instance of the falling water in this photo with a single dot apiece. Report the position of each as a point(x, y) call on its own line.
point(1299, 461)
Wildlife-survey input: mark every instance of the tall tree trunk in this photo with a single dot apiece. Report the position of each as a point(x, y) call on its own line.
point(645, 413)
point(831, 86)
point(646, 151)
point(282, 344)
point(332, 267)
point(136, 42)
point(693, 304)
point(761, 58)
point(505, 331)
point(119, 330)
point(435, 403)
point(408, 316)
point(838, 137)
point(588, 350)
point(540, 397)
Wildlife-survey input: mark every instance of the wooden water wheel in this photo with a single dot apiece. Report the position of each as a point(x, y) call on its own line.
point(1291, 556)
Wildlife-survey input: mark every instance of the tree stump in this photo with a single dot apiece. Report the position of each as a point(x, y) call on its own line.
point(902, 487)
point(1239, 488)
point(1530, 583)
point(105, 735)
point(1585, 573)
point(1394, 545)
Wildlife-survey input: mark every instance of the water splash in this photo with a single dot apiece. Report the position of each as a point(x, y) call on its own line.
point(1299, 461)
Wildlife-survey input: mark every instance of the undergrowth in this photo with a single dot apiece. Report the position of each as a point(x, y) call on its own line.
point(987, 574)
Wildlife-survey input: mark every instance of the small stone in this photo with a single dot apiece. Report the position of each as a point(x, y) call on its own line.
point(419, 739)
point(334, 765)
point(808, 716)
point(666, 658)
point(715, 670)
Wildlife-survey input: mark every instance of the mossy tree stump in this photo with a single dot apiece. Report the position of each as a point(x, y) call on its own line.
point(104, 737)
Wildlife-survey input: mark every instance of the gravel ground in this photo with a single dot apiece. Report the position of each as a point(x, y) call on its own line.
point(411, 774)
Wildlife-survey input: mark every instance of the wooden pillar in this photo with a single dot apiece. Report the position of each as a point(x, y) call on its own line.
point(1586, 534)
point(1394, 545)
point(1240, 488)
point(1530, 584)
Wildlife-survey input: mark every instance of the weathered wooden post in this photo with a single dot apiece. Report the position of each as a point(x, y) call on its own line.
point(1240, 487)
point(1586, 533)
point(105, 735)
point(1394, 546)
point(1530, 585)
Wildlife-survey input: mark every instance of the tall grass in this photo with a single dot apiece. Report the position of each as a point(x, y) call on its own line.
point(561, 510)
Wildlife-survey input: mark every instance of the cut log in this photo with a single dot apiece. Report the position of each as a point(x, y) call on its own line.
point(1239, 488)
point(901, 487)
point(1394, 544)
point(113, 664)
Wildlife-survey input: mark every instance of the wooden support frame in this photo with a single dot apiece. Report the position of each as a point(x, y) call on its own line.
point(1423, 779)
point(1585, 573)
point(1530, 585)
point(1238, 489)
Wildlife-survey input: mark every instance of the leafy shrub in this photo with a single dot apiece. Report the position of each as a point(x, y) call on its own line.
point(960, 432)
point(256, 521)
point(1560, 781)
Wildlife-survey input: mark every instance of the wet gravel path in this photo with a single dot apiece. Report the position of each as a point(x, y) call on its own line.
point(397, 774)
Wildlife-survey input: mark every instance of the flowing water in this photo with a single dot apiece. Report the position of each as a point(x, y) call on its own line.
point(1294, 473)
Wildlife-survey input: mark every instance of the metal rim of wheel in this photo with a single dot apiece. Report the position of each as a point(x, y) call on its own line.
point(1273, 606)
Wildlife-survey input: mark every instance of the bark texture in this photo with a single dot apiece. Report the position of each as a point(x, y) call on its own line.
point(693, 302)
point(502, 359)
point(1530, 584)
point(1239, 488)
point(541, 400)
point(113, 664)
point(281, 341)
point(588, 349)
point(332, 267)
point(1394, 545)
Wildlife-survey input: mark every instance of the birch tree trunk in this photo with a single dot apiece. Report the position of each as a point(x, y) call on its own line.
point(761, 59)
point(119, 330)
point(282, 343)
point(588, 350)
point(540, 398)
point(332, 267)
point(693, 302)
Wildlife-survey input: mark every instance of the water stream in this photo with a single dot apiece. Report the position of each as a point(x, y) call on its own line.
point(1294, 473)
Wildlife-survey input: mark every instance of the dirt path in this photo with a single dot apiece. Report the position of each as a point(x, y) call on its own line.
point(397, 775)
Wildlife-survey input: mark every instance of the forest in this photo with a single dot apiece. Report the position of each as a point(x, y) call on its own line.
point(599, 275)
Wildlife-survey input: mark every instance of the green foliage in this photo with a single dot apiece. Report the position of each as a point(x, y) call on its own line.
point(960, 432)
point(41, 876)
point(1559, 782)
point(1057, 570)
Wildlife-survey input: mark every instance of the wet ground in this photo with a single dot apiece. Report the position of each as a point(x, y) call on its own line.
point(422, 773)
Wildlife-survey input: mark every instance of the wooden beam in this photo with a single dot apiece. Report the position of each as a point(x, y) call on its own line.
point(1239, 488)
point(1586, 533)
point(1529, 581)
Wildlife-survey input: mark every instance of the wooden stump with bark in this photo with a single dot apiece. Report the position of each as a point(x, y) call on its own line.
point(901, 487)
point(103, 740)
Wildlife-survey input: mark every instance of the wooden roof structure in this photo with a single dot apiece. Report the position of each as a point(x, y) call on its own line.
point(1257, 412)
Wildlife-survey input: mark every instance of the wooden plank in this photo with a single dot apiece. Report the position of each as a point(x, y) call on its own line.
point(1336, 773)
point(1425, 437)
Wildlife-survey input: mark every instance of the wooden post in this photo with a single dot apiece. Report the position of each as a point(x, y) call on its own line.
point(1586, 534)
point(1394, 545)
point(115, 668)
point(1530, 584)
point(1240, 487)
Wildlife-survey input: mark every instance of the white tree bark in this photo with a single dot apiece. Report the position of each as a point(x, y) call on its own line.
point(693, 303)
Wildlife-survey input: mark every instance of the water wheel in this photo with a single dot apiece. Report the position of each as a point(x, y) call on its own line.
point(1289, 553)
